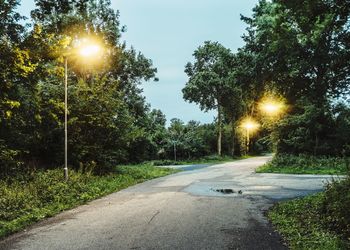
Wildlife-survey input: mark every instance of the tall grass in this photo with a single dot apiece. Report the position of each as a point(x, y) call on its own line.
point(26, 199)
point(319, 221)
point(305, 164)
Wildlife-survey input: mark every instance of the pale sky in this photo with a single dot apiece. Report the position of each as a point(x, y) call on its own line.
point(168, 32)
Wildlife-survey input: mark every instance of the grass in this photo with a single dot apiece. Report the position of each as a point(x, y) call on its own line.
point(319, 221)
point(303, 226)
point(212, 159)
point(305, 164)
point(25, 200)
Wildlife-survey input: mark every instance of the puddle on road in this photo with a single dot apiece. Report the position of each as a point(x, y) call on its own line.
point(226, 191)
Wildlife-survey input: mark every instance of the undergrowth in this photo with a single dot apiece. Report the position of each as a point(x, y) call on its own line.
point(320, 221)
point(27, 199)
point(305, 164)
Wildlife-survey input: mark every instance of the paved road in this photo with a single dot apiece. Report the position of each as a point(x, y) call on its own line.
point(189, 167)
point(181, 211)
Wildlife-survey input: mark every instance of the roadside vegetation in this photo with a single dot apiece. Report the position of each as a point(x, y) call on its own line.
point(26, 199)
point(211, 159)
point(306, 164)
point(319, 221)
point(295, 54)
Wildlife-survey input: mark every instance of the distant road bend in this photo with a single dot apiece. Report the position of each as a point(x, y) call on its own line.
point(216, 207)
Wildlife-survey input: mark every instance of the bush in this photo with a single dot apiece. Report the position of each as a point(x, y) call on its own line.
point(9, 164)
point(165, 162)
point(29, 198)
point(335, 207)
point(301, 224)
point(313, 129)
point(319, 221)
point(305, 164)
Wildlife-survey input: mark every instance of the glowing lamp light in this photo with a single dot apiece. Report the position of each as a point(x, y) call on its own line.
point(89, 50)
point(271, 107)
point(250, 125)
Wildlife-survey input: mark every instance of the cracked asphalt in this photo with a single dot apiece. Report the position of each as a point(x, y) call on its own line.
point(180, 211)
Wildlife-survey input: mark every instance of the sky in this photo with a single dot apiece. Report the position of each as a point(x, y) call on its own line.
point(168, 32)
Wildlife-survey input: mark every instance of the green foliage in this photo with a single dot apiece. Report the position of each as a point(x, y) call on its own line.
point(305, 164)
point(16, 118)
point(77, 18)
point(209, 159)
point(301, 47)
point(26, 199)
point(319, 221)
point(191, 140)
point(335, 207)
point(211, 84)
point(9, 27)
point(208, 76)
point(300, 50)
point(301, 223)
point(313, 129)
point(8, 160)
point(108, 118)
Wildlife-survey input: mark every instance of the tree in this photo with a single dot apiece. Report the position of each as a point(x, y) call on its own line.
point(302, 47)
point(209, 80)
point(17, 99)
point(233, 106)
point(108, 116)
point(176, 135)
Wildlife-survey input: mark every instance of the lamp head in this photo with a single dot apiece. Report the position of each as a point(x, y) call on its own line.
point(249, 124)
point(89, 50)
point(271, 107)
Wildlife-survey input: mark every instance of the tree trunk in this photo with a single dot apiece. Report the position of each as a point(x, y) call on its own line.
point(233, 138)
point(219, 130)
point(316, 144)
point(174, 151)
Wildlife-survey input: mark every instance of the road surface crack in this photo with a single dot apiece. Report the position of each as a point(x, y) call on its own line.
point(153, 216)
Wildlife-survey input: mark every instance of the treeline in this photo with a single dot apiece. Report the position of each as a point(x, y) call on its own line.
point(109, 121)
point(295, 52)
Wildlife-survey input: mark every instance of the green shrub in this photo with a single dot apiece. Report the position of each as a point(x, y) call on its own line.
point(335, 207)
point(300, 222)
point(165, 162)
point(205, 159)
point(26, 199)
point(320, 221)
point(305, 164)
point(9, 163)
point(213, 157)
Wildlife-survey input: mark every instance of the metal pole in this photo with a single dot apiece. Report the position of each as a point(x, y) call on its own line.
point(175, 150)
point(247, 151)
point(65, 118)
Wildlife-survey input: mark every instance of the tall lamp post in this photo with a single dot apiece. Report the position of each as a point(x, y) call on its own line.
point(65, 118)
point(86, 50)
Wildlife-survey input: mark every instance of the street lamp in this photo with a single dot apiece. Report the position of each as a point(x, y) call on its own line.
point(85, 49)
point(250, 126)
point(271, 107)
